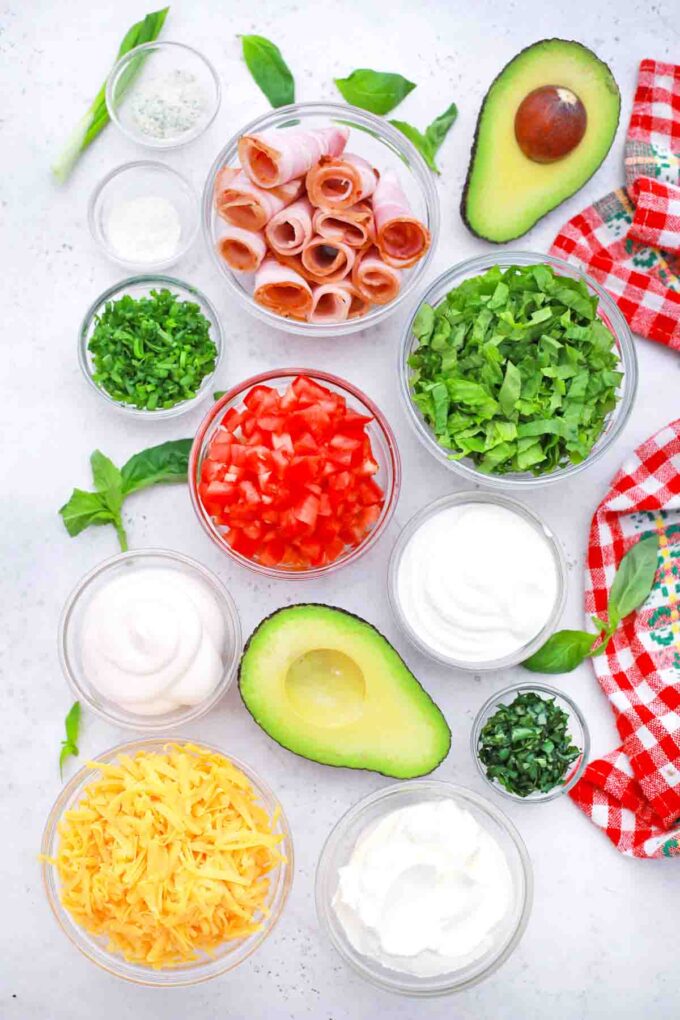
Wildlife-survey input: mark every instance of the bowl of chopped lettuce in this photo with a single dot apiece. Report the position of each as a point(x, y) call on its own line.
point(517, 369)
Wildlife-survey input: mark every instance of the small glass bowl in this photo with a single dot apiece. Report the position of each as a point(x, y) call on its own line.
point(338, 849)
point(72, 619)
point(143, 179)
point(383, 442)
point(131, 75)
point(137, 287)
point(95, 949)
point(378, 142)
point(577, 728)
point(495, 499)
point(610, 316)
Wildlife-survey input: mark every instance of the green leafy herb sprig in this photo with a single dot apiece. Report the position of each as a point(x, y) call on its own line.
point(515, 370)
point(566, 649)
point(376, 91)
point(151, 352)
point(69, 746)
point(168, 462)
point(269, 69)
point(526, 745)
point(97, 116)
point(429, 143)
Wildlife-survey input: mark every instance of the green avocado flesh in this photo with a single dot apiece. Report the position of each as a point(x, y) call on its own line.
point(506, 193)
point(328, 686)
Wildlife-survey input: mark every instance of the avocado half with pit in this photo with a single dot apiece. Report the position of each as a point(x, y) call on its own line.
point(545, 126)
point(328, 686)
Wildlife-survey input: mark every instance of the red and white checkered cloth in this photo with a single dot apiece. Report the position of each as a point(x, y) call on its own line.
point(633, 794)
point(629, 241)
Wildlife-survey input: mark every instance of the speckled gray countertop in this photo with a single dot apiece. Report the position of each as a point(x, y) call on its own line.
point(603, 937)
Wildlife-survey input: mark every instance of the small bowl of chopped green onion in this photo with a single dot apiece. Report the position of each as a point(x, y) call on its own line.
point(530, 742)
point(150, 346)
point(517, 369)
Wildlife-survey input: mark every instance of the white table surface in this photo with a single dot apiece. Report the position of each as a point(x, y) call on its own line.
point(603, 936)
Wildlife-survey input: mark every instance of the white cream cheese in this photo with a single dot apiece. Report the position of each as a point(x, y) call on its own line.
point(477, 581)
point(152, 640)
point(426, 890)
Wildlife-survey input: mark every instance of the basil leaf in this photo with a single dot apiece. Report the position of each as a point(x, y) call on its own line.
point(168, 462)
point(377, 91)
point(84, 509)
point(562, 652)
point(69, 746)
point(439, 128)
point(418, 140)
point(269, 69)
point(634, 579)
point(105, 474)
point(428, 144)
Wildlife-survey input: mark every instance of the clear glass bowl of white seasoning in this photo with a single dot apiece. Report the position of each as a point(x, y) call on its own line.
point(163, 94)
point(144, 215)
point(576, 729)
point(367, 909)
point(477, 581)
point(149, 639)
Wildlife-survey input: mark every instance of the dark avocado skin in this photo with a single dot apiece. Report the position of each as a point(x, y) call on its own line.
point(324, 605)
point(473, 152)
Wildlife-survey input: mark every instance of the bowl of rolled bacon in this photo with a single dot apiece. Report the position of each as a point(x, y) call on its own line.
point(320, 217)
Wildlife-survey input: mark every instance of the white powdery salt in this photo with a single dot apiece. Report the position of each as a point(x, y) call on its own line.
point(168, 105)
point(144, 230)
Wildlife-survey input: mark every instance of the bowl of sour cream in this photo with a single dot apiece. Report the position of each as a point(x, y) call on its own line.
point(477, 580)
point(424, 888)
point(149, 640)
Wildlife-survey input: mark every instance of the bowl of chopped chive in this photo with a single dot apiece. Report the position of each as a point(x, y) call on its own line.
point(530, 742)
point(150, 346)
point(517, 369)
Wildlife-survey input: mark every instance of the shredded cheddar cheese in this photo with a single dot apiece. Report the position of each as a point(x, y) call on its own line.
point(167, 855)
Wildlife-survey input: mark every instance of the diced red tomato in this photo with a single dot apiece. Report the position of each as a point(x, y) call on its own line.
point(288, 478)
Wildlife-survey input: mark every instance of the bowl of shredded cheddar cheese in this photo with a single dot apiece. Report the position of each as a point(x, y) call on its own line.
point(166, 863)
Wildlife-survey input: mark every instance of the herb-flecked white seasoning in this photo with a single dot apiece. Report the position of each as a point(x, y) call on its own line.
point(168, 105)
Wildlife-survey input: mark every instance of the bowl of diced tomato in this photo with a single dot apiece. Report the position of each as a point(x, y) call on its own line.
point(294, 473)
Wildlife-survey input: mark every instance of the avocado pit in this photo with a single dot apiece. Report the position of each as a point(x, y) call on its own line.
point(550, 122)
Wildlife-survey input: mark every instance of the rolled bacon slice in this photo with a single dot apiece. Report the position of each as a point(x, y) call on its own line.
point(401, 238)
point(272, 158)
point(340, 183)
point(280, 289)
point(359, 304)
point(354, 226)
point(291, 229)
point(331, 302)
point(327, 261)
point(374, 278)
point(242, 203)
point(242, 250)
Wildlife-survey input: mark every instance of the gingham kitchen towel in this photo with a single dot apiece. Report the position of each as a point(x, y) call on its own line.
point(633, 794)
point(629, 241)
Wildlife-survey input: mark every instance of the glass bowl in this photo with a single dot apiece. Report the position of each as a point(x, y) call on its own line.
point(382, 439)
point(458, 499)
point(577, 728)
point(338, 849)
point(95, 949)
point(378, 142)
point(143, 179)
point(137, 287)
point(132, 78)
point(72, 620)
point(609, 314)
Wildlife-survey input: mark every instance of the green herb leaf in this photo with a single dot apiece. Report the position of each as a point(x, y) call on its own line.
point(168, 462)
point(377, 91)
point(105, 474)
point(418, 140)
point(633, 579)
point(84, 509)
point(97, 117)
point(218, 394)
point(562, 652)
point(440, 126)
point(69, 746)
point(428, 144)
point(269, 69)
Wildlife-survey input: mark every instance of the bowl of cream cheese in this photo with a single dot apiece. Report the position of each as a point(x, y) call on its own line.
point(149, 639)
point(477, 580)
point(424, 888)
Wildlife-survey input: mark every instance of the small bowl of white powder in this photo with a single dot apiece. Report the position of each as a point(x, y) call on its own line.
point(163, 94)
point(424, 888)
point(144, 215)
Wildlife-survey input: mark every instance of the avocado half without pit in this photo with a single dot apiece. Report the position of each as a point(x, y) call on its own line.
point(544, 128)
point(328, 686)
